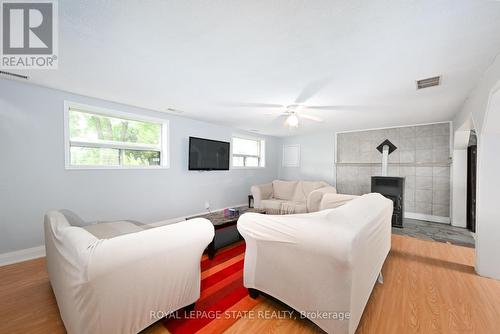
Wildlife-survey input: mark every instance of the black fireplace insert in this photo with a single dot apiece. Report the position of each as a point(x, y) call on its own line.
point(393, 188)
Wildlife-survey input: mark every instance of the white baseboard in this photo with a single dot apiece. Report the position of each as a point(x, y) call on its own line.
point(430, 218)
point(22, 255)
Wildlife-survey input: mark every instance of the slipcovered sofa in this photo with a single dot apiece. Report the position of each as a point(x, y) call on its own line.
point(332, 201)
point(323, 264)
point(120, 277)
point(286, 197)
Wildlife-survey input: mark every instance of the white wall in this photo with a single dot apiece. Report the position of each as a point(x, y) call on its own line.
point(459, 188)
point(476, 104)
point(317, 157)
point(484, 109)
point(33, 179)
point(488, 215)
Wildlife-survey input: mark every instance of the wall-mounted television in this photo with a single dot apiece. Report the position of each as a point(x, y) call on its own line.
point(207, 154)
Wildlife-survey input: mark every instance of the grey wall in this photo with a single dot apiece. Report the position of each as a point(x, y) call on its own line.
point(317, 158)
point(422, 157)
point(33, 179)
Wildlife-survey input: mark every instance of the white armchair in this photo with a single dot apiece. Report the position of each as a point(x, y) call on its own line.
point(285, 197)
point(325, 262)
point(106, 284)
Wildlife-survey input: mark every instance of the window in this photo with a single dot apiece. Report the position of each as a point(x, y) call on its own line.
point(248, 152)
point(97, 138)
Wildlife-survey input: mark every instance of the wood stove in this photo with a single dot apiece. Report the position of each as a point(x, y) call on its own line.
point(393, 188)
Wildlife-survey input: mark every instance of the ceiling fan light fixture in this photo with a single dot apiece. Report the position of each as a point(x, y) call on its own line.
point(292, 121)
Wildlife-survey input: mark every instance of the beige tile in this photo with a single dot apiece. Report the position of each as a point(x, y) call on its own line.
point(409, 207)
point(423, 196)
point(441, 196)
point(440, 181)
point(441, 154)
point(409, 195)
point(423, 171)
point(424, 131)
point(423, 208)
point(441, 210)
point(409, 181)
point(423, 182)
point(407, 156)
point(423, 156)
point(366, 146)
point(407, 171)
point(393, 171)
point(394, 157)
point(424, 143)
point(440, 141)
point(442, 129)
point(407, 143)
point(441, 171)
point(376, 170)
point(407, 132)
point(378, 136)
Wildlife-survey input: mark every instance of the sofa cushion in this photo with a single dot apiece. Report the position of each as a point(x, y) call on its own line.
point(272, 206)
point(284, 190)
point(290, 207)
point(110, 230)
point(281, 207)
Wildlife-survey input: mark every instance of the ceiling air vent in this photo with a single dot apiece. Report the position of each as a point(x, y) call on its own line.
point(10, 74)
point(429, 82)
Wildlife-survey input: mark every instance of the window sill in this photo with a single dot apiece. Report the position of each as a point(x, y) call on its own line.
point(115, 167)
point(237, 167)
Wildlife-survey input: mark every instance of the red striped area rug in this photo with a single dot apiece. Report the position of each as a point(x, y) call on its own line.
point(223, 296)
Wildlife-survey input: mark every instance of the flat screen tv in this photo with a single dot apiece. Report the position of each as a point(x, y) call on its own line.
point(207, 154)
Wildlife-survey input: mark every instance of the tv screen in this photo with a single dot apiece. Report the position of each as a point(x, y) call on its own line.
point(207, 154)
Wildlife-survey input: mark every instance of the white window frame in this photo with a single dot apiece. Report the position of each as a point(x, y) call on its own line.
point(164, 142)
point(261, 156)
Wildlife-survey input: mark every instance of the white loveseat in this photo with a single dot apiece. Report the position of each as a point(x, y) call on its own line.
point(325, 262)
point(118, 277)
point(286, 197)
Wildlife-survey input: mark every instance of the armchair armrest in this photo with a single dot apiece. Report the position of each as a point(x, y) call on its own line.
point(260, 192)
point(331, 201)
point(315, 197)
point(153, 270)
point(170, 244)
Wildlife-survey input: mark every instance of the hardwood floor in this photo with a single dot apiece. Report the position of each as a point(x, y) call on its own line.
point(429, 287)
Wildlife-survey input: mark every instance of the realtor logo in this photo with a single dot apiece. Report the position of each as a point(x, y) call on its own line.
point(29, 34)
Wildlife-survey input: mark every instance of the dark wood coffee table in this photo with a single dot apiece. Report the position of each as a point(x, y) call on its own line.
point(220, 222)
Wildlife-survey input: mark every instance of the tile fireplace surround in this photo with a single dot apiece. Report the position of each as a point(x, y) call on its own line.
point(422, 157)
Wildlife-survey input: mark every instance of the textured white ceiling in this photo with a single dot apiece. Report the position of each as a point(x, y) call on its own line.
point(203, 56)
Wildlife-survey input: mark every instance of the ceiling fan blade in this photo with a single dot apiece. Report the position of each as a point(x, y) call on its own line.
point(338, 108)
point(322, 107)
point(253, 105)
point(312, 89)
point(312, 118)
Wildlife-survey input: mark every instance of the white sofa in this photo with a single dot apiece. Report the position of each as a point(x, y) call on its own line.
point(118, 277)
point(286, 197)
point(326, 261)
point(332, 201)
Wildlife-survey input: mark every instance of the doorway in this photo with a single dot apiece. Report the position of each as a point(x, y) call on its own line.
point(471, 181)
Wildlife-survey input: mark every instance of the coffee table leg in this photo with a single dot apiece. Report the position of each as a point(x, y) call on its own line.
point(211, 249)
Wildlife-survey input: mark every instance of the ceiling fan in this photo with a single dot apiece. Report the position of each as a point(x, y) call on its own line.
point(296, 111)
point(292, 112)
